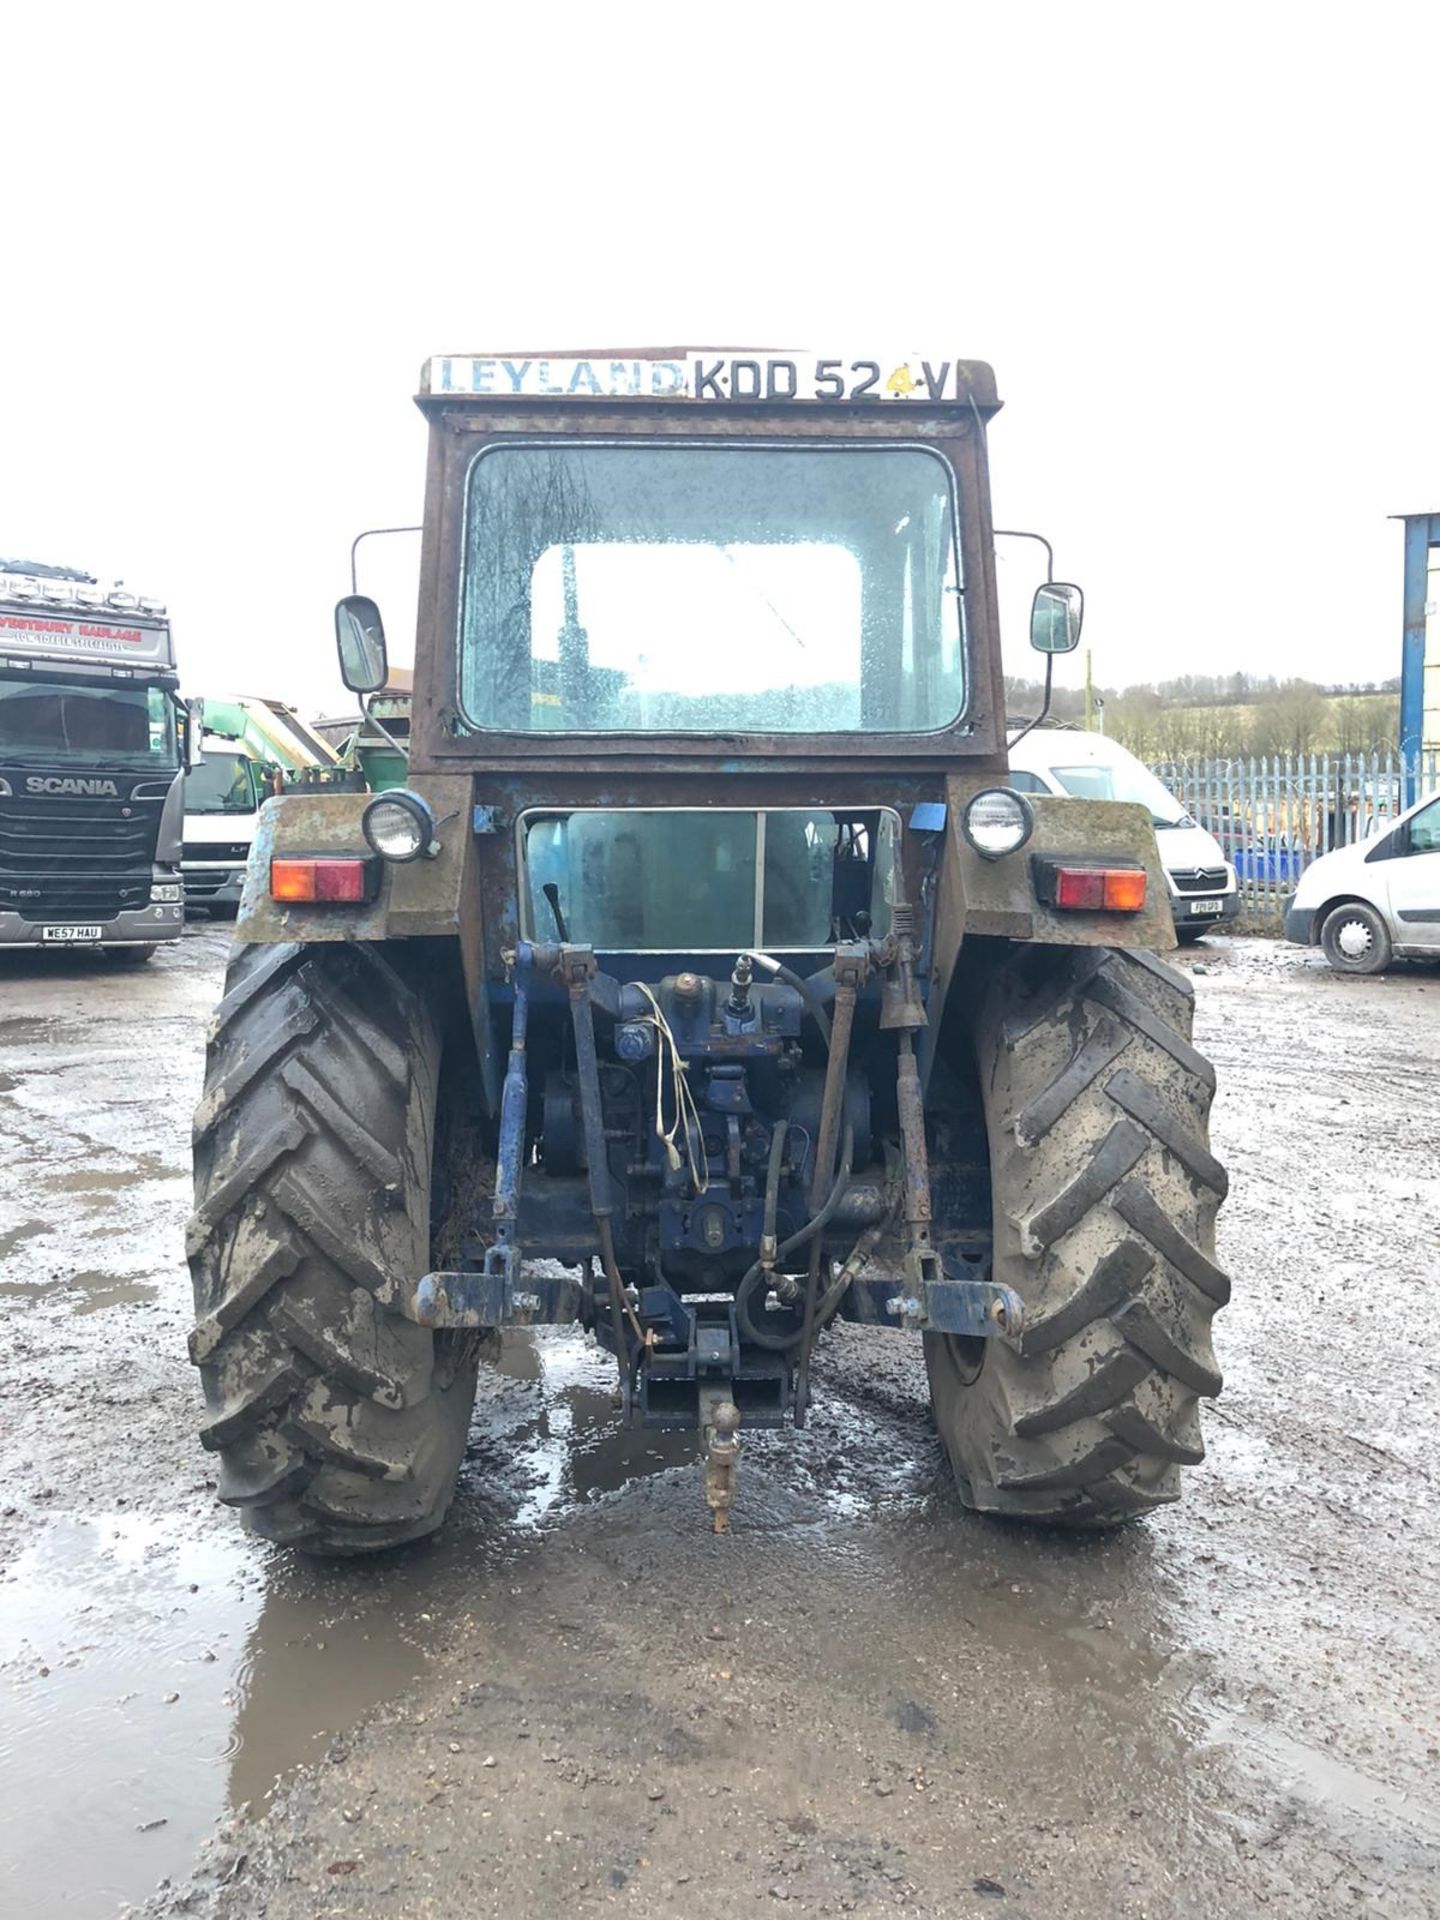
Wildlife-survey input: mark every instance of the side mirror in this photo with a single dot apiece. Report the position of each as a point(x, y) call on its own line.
point(194, 728)
point(360, 638)
point(1056, 617)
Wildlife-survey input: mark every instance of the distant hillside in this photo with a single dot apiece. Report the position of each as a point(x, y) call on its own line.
point(1229, 716)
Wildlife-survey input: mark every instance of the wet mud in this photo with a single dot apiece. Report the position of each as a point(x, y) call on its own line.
point(576, 1700)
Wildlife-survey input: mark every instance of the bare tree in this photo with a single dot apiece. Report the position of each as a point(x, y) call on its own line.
point(1219, 732)
point(1292, 719)
point(1133, 719)
point(1365, 724)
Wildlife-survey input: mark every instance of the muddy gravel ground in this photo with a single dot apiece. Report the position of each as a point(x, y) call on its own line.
point(864, 1699)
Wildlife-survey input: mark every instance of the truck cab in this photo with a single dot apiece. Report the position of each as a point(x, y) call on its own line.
point(222, 804)
point(91, 761)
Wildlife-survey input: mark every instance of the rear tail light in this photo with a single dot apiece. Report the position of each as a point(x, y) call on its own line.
point(1124, 890)
point(347, 878)
point(1080, 887)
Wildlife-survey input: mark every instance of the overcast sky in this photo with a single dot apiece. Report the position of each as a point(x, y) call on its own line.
point(1194, 243)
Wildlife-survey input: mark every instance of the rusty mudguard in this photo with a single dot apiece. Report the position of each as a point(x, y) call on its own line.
point(999, 898)
point(416, 899)
point(441, 897)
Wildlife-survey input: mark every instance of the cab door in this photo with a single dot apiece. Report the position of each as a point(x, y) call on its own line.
point(1412, 878)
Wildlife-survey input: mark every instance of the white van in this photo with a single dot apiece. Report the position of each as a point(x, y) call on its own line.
point(1365, 905)
point(222, 809)
point(1063, 760)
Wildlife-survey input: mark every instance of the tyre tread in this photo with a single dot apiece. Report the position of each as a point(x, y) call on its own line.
point(1104, 1224)
point(1142, 1103)
point(333, 1428)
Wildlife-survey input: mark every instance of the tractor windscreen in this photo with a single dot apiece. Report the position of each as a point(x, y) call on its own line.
point(661, 588)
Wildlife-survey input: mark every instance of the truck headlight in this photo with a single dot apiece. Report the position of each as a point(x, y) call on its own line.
point(998, 821)
point(167, 891)
point(399, 826)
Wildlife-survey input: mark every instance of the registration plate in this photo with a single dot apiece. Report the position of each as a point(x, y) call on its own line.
point(70, 935)
point(1207, 906)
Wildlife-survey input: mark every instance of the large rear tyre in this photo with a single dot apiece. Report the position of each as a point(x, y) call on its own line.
point(338, 1424)
point(1105, 1194)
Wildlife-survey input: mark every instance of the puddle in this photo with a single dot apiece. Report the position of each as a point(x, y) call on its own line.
point(546, 1421)
point(93, 1180)
point(29, 1289)
point(154, 1680)
point(156, 1673)
point(16, 1236)
point(546, 1417)
point(326, 1647)
point(92, 1292)
point(112, 1715)
point(18, 1028)
point(90, 1179)
point(100, 1290)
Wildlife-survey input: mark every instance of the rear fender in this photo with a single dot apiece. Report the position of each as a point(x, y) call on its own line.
point(996, 900)
point(424, 899)
point(416, 898)
point(998, 897)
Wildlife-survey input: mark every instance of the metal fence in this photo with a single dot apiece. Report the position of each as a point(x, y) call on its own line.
point(1273, 816)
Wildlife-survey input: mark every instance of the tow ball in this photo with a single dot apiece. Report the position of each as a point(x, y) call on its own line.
point(722, 1455)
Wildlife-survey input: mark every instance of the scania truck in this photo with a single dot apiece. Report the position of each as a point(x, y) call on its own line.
point(92, 752)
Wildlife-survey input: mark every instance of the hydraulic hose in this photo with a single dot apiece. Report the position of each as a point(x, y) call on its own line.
point(870, 1239)
point(762, 1336)
point(836, 1195)
point(832, 1108)
point(814, 1005)
point(768, 1249)
point(596, 1164)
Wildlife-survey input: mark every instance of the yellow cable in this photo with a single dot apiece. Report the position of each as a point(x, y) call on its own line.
point(686, 1111)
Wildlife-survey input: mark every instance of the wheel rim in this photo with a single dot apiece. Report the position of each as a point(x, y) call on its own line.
point(1355, 939)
